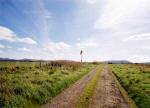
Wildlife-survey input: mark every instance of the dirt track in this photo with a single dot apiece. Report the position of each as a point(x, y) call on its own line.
point(70, 97)
point(108, 94)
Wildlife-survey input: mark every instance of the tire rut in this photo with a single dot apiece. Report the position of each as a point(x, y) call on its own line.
point(108, 94)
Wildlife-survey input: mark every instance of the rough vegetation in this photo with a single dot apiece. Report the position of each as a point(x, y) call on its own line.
point(25, 83)
point(135, 79)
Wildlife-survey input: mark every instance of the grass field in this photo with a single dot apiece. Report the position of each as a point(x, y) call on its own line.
point(135, 79)
point(25, 84)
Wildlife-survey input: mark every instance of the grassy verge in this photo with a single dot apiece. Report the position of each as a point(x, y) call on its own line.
point(135, 80)
point(125, 94)
point(27, 85)
point(84, 100)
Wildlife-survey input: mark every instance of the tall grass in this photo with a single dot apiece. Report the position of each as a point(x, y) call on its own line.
point(135, 79)
point(27, 84)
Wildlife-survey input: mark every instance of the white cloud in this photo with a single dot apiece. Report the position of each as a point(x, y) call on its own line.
point(91, 1)
point(26, 40)
point(140, 58)
point(118, 12)
point(56, 46)
point(1, 51)
point(78, 39)
point(43, 19)
point(24, 49)
point(139, 37)
point(90, 42)
point(85, 45)
point(2, 46)
point(8, 35)
point(146, 47)
point(47, 15)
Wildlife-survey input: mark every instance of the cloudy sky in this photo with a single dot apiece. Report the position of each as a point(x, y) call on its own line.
point(59, 29)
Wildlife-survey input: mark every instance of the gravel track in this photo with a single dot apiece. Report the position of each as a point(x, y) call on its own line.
point(69, 97)
point(108, 94)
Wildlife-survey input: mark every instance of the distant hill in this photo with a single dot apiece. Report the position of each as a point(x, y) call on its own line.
point(7, 59)
point(117, 61)
point(146, 63)
point(22, 60)
point(35, 60)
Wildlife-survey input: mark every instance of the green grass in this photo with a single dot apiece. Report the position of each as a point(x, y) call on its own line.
point(135, 79)
point(84, 100)
point(125, 95)
point(26, 84)
point(20, 64)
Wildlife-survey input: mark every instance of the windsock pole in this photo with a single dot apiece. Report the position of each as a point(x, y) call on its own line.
point(81, 55)
point(81, 58)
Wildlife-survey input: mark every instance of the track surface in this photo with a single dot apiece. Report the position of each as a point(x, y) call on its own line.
point(70, 97)
point(108, 94)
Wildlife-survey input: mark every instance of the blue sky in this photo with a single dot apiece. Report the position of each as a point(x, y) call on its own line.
point(59, 29)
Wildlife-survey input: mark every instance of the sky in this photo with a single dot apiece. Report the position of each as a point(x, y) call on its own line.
point(59, 29)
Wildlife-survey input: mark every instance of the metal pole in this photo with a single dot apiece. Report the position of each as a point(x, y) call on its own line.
point(81, 58)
